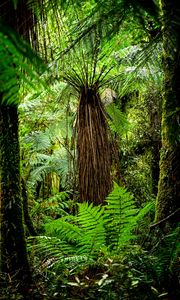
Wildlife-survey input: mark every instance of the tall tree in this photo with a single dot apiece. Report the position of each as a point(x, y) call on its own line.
point(13, 255)
point(93, 146)
point(15, 15)
point(168, 198)
point(94, 161)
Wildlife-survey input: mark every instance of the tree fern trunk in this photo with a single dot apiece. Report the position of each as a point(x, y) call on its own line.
point(168, 197)
point(94, 161)
point(14, 256)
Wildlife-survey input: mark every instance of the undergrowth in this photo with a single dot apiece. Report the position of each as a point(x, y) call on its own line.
point(96, 254)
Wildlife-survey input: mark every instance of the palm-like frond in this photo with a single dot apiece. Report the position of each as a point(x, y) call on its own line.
point(118, 122)
point(139, 66)
point(46, 164)
point(99, 15)
point(17, 59)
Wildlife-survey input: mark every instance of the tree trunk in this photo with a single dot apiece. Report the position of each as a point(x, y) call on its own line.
point(14, 260)
point(94, 161)
point(155, 138)
point(168, 198)
point(27, 218)
point(19, 16)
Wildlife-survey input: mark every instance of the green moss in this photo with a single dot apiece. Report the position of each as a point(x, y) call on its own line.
point(14, 256)
point(168, 197)
point(168, 190)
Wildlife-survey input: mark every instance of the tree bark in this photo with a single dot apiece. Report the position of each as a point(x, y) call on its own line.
point(14, 260)
point(93, 148)
point(168, 197)
point(27, 219)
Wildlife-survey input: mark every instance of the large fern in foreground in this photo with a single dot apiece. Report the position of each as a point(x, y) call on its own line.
point(94, 230)
point(121, 217)
point(91, 222)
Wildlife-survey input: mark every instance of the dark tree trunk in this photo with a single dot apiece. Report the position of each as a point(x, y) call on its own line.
point(168, 198)
point(27, 218)
point(14, 260)
point(155, 138)
point(93, 146)
point(155, 150)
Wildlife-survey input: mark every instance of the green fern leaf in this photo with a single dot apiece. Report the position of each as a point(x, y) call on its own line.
point(64, 230)
point(91, 220)
point(120, 217)
point(118, 121)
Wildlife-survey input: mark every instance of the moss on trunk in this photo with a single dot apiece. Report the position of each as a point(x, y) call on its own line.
point(27, 218)
point(14, 260)
point(168, 197)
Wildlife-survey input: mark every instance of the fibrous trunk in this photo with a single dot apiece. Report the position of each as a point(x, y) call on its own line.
point(93, 148)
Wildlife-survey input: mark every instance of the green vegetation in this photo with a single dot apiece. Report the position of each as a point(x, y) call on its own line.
point(89, 149)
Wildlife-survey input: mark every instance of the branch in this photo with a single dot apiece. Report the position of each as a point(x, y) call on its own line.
point(165, 219)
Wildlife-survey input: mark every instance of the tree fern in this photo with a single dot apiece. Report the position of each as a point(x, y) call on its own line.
point(43, 164)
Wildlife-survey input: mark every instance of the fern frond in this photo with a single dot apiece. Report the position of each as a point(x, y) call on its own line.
point(71, 261)
point(45, 164)
point(122, 217)
point(92, 241)
point(54, 252)
point(168, 250)
point(38, 140)
point(64, 230)
point(118, 121)
point(119, 215)
point(91, 220)
point(90, 216)
point(17, 59)
point(50, 246)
